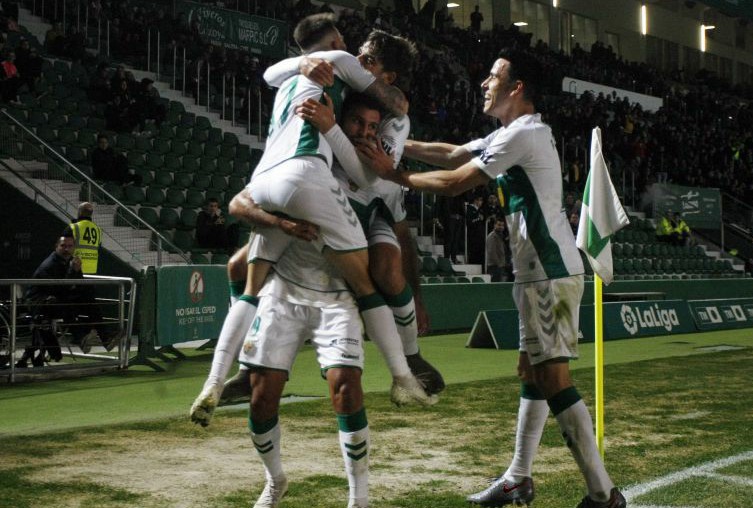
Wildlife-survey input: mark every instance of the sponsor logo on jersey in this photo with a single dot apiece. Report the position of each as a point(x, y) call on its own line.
point(350, 357)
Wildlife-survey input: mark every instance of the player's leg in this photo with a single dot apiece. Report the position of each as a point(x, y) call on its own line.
point(306, 188)
point(387, 270)
point(337, 338)
point(557, 343)
point(269, 352)
point(237, 267)
point(515, 485)
point(264, 425)
point(263, 249)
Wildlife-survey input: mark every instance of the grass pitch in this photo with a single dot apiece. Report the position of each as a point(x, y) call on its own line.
point(670, 406)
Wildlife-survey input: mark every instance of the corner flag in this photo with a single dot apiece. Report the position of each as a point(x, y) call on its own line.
point(601, 215)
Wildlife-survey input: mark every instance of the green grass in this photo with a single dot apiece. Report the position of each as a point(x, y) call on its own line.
point(124, 441)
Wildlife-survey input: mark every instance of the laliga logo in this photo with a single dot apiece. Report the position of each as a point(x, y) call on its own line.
point(628, 319)
point(653, 317)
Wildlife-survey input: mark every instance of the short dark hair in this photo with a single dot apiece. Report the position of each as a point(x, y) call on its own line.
point(102, 136)
point(526, 68)
point(213, 199)
point(358, 99)
point(310, 30)
point(397, 54)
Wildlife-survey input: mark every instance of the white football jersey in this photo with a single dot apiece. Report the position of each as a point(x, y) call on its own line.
point(522, 158)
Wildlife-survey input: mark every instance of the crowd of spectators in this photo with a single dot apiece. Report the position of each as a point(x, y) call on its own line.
point(702, 136)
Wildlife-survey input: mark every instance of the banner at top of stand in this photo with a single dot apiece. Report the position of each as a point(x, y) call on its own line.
point(235, 30)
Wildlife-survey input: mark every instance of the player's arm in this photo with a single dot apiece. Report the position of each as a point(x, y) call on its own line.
point(317, 70)
point(443, 155)
point(322, 116)
point(409, 255)
point(243, 207)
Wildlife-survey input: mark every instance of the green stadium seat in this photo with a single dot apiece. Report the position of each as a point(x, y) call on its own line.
point(241, 168)
point(200, 136)
point(227, 151)
point(187, 119)
point(219, 258)
point(235, 185)
point(174, 198)
point(187, 219)
point(148, 215)
point(429, 265)
point(155, 196)
point(135, 159)
point(168, 218)
point(195, 150)
point(154, 160)
point(183, 240)
point(166, 131)
point(179, 148)
point(161, 146)
point(207, 165)
point(202, 123)
point(202, 181)
point(219, 184)
point(162, 178)
point(477, 280)
point(224, 167)
point(434, 280)
point(133, 195)
point(198, 258)
point(211, 151)
point(183, 133)
point(194, 198)
point(190, 164)
point(215, 136)
point(182, 180)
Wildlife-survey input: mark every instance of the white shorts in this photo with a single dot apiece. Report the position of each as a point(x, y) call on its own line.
point(268, 245)
point(548, 312)
point(280, 328)
point(305, 188)
point(381, 232)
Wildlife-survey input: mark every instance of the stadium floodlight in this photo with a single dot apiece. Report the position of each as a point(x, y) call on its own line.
point(520, 23)
point(452, 5)
point(554, 3)
point(703, 35)
point(644, 20)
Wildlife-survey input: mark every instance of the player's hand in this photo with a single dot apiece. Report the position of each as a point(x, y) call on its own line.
point(299, 228)
point(373, 155)
point(318, 70)
point(321, 116)
point(423, 322)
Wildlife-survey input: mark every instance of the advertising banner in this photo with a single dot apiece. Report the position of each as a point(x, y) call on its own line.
point(700, 208)
point(193, 302)
point(722, 314)
point(235, 30)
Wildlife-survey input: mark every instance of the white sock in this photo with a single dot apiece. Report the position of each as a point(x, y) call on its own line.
point(532, 415)
point(238, 320)
point(266, 439)
point(404, 310)
point(380, 327)
point(577, 429)
point(354, 445)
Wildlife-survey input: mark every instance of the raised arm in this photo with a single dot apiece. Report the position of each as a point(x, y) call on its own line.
point(443, 155)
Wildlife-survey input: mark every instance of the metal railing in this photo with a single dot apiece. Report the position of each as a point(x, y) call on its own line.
point(124, 316)
point(44, 164)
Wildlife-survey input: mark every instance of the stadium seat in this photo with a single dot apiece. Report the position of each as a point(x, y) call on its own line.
point(219, 258)
point(194, 198)
point(476, 279)
point(429, 266)
point(211, 151)
point(187, 219)
point(183, 240)
point(202, 181)
point(162, 178)
point(155, 196)
point(133, 195)
point(198, 258)
point(182, 180)
point(174, 198)
point(148, 215)
point(168, 218)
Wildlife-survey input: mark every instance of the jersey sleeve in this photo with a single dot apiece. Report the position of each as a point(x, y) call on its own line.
point(477, 146)
point(348, 158)
point(508, 148)
point(348, 68)
point(394, 133)
point(276, 74)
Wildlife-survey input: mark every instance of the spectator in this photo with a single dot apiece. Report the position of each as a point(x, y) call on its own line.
point(474, 220)
point(492, 208)
point(87, 238)
point(211, 230)
point(498, 252)
point(109, 166)
point(75, 307)
point(476, 19)
point(680, 231)
point(99, 86)
point(574, 220)
point(145, 104)
point(10, 79)
point(54, 40)
point(664, 228)
point(449, 214)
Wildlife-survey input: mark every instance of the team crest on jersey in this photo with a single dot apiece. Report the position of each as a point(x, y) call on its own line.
point(485, 156)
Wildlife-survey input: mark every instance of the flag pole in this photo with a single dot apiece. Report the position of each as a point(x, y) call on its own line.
point(599, 363)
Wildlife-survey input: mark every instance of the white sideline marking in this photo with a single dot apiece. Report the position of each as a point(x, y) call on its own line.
point(708, 469)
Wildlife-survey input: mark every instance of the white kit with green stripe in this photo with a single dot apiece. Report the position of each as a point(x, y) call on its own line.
point(522, 158)
point(289, 135)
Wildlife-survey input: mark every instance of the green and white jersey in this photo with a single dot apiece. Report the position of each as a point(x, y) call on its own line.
point(305, 277)
point(289, 135)
point(523, 160)
point(384, 198)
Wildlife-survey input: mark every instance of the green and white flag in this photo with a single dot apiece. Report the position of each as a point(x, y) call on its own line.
point(602, 214)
